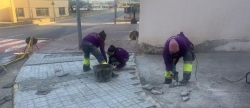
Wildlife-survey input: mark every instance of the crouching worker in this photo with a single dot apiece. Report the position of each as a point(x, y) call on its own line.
point(117, 56)
point(90, 43)
point(176, 47)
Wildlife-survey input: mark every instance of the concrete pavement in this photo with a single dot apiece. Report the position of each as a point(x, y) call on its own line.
point(57, 68)
point(117, 35)
point(211, 90)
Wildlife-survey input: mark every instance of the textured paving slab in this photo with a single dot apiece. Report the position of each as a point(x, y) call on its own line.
point(78, 89)
point(54, 58)
point(85, 92)
point(40, 66)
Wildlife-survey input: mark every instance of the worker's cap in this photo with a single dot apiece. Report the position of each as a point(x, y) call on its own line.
point(102, 34)
point(112, 48)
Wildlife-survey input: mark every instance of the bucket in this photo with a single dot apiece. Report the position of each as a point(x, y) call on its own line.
point(103, 72)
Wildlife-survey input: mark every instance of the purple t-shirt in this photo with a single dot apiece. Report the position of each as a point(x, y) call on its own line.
point(183, 42)
point(95, 39)
point(120, 55)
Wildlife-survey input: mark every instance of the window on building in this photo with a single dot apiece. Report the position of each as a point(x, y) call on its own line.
point(20, 12)
point(61, 10)
point(42, 12)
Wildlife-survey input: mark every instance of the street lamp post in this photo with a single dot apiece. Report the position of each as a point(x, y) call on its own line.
point(79, 23)
point(53, 4)
point(115, 10)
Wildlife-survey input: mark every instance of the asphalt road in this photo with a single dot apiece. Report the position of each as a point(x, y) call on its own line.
point(59, 29)
point(56, 30)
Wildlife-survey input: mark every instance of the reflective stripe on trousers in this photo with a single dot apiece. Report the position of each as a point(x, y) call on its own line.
point(187, 67)
point(167, 75)
point(86, 61)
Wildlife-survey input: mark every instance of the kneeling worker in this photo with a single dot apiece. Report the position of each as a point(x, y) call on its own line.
point(117, 56)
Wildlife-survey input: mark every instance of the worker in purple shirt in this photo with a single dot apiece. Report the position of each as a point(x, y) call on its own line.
point(90, 43)
point(176, 47)
point(117, 56)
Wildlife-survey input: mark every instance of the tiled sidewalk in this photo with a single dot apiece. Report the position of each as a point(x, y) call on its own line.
point(57, 68)
point(78, 89)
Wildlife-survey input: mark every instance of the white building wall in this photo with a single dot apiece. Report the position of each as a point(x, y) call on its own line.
point(200, 20)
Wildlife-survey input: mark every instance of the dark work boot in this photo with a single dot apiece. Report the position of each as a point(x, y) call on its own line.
point(86, 68)
point(167, 81)
point(186, 77)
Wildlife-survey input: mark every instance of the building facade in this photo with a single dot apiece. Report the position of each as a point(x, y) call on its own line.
point(7, 11)
point(35, 9)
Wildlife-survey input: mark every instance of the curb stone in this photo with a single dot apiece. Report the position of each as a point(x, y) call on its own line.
point(15, 89)
point(16, 26)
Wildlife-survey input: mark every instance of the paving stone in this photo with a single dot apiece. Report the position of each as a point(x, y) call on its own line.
point(9, 85)
point(100, 105)
point(90, 106)
point(53, 101)
point(156, 92)
point(86, 103)
point(71, 106)
point(65, 98)
point(185, 98)
point(148, 87)
point(97, 100)
point(68, 102)
point(2, 101)
point(63, 75)
point(184, 93)
point(43, 91)
point(7, 98)
point(90, 97)
point(108, 97)
point(31, 106)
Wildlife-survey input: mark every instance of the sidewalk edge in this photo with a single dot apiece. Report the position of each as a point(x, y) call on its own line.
point(15, 89)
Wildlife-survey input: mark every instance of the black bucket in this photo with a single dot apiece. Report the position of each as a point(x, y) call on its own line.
point(103, 73)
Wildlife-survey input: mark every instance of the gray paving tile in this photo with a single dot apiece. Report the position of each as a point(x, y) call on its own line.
point(90, 97)
point(107, 97)
point(83, 92)
point(100, 105)
point(71, 106)
point(97, 100)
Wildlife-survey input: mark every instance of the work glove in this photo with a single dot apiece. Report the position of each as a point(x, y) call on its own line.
point(171, 74)
point(113, 67)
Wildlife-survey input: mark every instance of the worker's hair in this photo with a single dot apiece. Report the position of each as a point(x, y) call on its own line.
point(102, 34)
point(112, 48)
